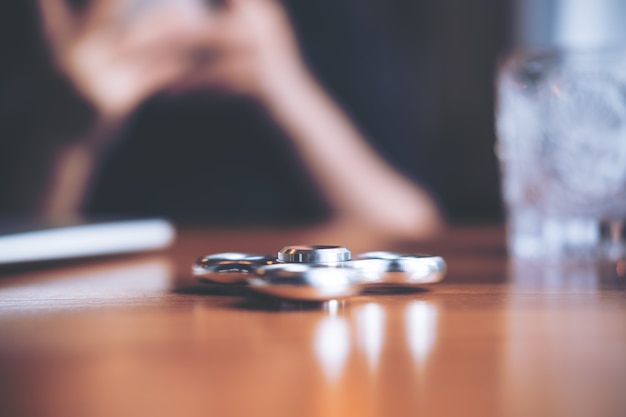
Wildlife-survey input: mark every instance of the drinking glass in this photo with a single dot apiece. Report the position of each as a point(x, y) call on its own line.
point(561, 126)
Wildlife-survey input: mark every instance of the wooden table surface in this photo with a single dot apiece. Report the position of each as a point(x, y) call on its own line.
point(136, 335)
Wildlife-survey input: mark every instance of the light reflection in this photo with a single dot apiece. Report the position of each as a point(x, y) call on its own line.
point(332, 306)
point(421, 329)
point(86, 286)
point(561, 351)
point(332, 345)
point(554, 275)
point(370, 327)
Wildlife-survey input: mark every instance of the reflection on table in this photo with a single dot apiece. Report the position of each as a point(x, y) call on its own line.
point(138, 336)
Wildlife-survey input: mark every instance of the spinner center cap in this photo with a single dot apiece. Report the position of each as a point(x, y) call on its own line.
point(318, 254)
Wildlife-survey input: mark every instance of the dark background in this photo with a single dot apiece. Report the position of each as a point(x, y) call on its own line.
point(471, 37)
point(455, 44)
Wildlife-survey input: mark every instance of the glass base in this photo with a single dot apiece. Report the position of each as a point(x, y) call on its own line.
point(533, 235)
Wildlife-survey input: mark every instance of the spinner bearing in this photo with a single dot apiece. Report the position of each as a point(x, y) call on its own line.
point(318, 272)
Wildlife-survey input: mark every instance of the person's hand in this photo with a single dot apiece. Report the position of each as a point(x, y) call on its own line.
point(252, 51)
point(119, 52)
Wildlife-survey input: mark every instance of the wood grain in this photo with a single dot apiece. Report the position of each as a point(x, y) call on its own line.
point(135, 335)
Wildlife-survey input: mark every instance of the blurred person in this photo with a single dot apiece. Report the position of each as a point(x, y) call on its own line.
point(213, 114)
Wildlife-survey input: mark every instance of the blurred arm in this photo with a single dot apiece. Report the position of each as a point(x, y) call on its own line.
point(359, 185)
point(259, 57)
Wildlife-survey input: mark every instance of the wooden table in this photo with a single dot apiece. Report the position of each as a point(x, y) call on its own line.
point(135, 335)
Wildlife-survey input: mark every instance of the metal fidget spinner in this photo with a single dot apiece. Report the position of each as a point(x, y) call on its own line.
point(318, 272)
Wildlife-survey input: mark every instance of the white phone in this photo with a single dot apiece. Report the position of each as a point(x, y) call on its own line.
point(44, 243)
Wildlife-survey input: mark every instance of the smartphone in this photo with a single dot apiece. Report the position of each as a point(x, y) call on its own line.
point(27, 242)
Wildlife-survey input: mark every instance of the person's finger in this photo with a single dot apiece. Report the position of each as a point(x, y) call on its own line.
point(240, 2)
point(227, 75)
point(58, 20)
point(126, 84)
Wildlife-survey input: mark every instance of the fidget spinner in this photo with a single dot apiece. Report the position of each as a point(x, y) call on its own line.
point(318, 273)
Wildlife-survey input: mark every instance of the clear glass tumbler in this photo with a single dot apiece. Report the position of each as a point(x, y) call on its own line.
point(561, 125)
